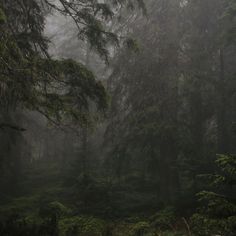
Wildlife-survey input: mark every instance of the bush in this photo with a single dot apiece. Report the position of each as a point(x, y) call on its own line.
point(81, 225)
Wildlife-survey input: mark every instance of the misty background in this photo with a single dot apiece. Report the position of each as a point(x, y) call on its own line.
point(128, 126)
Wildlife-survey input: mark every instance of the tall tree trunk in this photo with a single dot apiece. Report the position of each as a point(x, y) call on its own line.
point(85, 168)
point(222, 135)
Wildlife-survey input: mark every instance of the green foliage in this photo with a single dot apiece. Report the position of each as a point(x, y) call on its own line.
point(139, 228)
point(164, 219)
point(170, 113)
point(81, 225)
point(216, 205)
point(217, 214)
point(59, 90)
point(228, 165)
point(91, 19)
point(204, 226)
point(53, 210)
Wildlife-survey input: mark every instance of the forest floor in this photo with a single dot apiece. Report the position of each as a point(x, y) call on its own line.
point(43, 186)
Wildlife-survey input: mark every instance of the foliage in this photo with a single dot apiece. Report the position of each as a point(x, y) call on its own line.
point(172, 108)
point(53, 210)
point(81, 226)
point(217, 215)
point(139, 228)
point(164, 219)
point(172, 103)
point(57, 89)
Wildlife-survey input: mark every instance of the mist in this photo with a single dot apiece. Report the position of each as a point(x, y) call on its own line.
point(117, 118)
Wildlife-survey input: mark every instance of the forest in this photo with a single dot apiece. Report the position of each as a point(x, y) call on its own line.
point(117, 117)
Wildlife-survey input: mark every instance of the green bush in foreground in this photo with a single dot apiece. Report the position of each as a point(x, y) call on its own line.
point(217, 214)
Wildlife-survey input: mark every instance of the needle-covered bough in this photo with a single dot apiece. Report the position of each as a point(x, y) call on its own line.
point(30, 79)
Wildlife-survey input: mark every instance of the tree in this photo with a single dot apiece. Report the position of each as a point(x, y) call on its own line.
point(218, 205)
point(144, 111)
point(61, 90)
point(171, 111)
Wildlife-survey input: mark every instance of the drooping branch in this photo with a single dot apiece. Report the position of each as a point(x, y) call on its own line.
point(11, 126)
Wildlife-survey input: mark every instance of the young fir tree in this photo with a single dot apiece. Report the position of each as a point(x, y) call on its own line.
point(217, 214)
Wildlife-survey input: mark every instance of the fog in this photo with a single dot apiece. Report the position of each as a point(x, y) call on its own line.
point(117, 118)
